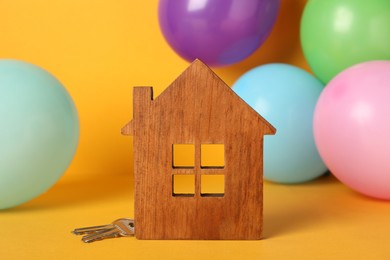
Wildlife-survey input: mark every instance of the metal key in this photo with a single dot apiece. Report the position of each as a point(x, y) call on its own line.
point(119, 228)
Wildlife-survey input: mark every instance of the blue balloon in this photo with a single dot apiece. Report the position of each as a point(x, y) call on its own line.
point(286, 97)
point(39, 131)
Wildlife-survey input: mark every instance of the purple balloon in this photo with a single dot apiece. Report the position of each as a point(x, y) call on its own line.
point(219, 32)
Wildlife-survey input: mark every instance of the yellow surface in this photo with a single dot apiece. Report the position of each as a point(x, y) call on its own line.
point(99, 50)
point(184, 184)
point(320, 220)
point(212, 184)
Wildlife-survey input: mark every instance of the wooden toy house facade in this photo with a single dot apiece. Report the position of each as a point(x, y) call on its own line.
point(197, 108)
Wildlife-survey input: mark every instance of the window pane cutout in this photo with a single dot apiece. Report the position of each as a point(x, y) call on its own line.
point(212, 185)
point(212, 155)
point(183, 185)
point(183, 155)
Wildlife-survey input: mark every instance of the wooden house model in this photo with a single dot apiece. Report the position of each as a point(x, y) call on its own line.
point(200, 114)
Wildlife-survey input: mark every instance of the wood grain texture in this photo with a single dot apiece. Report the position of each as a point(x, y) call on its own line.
point(197, 108)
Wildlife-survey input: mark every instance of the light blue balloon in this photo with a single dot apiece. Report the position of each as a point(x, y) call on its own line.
point(39, 131)
point(286, 97)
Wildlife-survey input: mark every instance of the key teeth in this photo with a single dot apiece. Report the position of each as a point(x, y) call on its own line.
point(88, 241)
point(119, 228)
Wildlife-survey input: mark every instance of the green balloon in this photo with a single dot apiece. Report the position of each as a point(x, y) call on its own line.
point(337, 34)
point(39, 131)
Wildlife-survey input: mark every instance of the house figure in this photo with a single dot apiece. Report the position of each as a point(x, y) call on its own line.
point(198, 114)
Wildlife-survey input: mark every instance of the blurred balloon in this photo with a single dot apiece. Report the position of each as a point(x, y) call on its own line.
point(219, 32)
point(285, 96)
point(337, 34)
point(352, 126)
point(38, 134)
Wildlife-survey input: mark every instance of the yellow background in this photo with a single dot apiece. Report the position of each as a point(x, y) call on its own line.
point(99, 50)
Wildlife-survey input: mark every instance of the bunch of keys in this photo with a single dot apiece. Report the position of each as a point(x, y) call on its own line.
point(122, 227)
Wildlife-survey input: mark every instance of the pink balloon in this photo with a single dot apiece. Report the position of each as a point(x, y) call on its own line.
point(352, 127)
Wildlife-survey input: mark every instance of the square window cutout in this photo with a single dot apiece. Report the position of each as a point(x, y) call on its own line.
point(183, 155)
point(212, 155)
point(212, 185)
point(183, 185)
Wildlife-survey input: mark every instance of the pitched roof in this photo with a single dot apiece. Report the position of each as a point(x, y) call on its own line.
point(197, 67)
